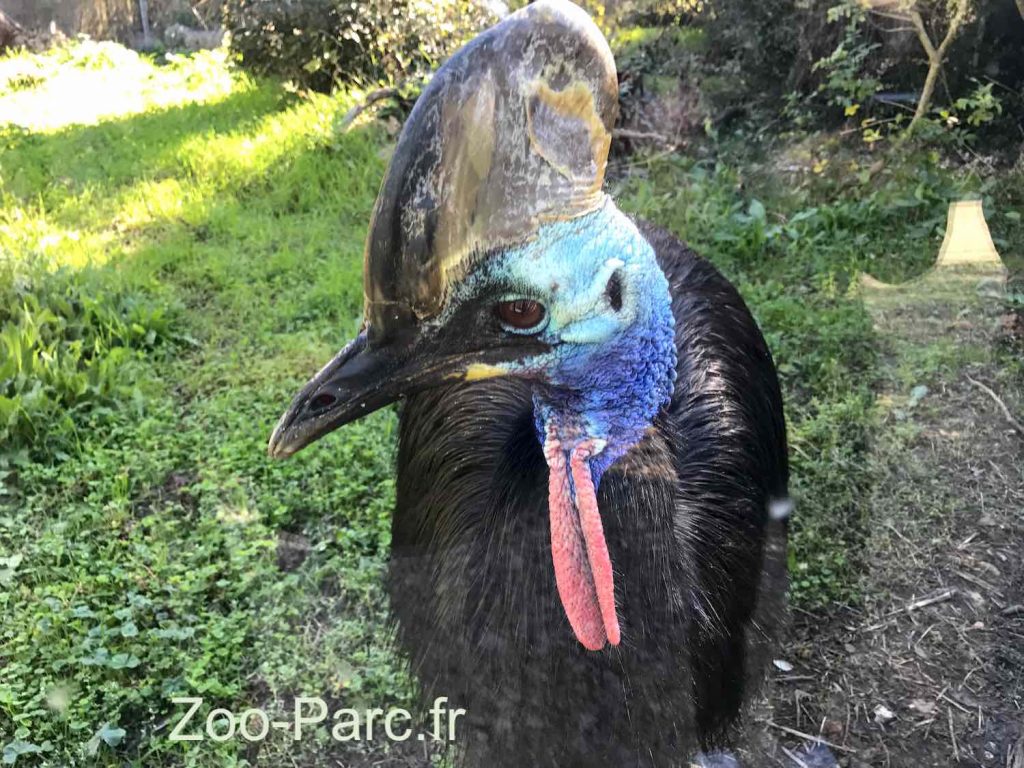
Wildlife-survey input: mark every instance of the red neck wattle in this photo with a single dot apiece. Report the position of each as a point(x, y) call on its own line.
point(583, 568)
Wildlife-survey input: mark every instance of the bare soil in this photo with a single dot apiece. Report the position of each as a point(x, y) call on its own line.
point(929, 669)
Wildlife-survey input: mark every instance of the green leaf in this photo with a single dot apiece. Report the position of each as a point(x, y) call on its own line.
point(111, 735)
point(123, 661)
point(16, 748)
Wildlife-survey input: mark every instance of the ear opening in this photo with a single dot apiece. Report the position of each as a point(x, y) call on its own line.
point(614, 291)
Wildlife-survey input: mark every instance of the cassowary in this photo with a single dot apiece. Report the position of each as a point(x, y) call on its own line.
point(588, 541)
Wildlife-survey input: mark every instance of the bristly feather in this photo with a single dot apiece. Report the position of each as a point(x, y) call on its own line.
point(687, 524)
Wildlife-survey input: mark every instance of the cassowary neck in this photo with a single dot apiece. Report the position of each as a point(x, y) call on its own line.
point(608, 387)
point(611, 373)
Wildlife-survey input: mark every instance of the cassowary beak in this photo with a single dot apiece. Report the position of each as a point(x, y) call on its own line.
point(356, 382)
point(364, 377)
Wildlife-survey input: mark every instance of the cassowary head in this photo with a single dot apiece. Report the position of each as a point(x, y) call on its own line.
point(494, 252)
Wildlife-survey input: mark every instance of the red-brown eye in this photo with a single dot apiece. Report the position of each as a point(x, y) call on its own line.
point(521, 314)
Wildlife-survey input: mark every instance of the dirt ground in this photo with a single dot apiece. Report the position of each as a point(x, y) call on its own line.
point(929, 671)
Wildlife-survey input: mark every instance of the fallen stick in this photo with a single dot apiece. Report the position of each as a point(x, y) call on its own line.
point(926, 601)
point(792, 756)
point(887, 618)
point(808, 737)
point(977, 581)
point(998, 401)
point(952, 736)
point(955, 703)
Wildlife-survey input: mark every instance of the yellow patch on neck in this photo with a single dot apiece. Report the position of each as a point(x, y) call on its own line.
point(479, 371)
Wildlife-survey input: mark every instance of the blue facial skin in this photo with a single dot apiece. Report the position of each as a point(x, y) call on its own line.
point(609, 370)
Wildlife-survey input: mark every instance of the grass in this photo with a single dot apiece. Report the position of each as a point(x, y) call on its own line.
point(139, 533)
point(176, 256)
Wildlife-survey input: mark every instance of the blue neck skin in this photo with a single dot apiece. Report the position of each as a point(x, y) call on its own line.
point(610, 368)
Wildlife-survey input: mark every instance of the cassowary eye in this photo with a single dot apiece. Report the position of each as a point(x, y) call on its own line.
point(520, 314)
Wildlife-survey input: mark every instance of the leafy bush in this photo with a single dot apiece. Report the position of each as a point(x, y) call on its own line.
point(838, 63)
point(764, 38)
point(63, 350)
point(322, 43)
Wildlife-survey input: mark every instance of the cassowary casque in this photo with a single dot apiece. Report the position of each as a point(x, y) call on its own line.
point(588, 541)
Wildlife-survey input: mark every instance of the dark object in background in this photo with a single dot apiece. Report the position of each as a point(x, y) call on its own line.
point(507, 144)
point(10, 32)
point(321, 44)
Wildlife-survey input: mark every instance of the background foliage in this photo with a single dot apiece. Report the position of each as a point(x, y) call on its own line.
point(323, 43)
point(852, 63)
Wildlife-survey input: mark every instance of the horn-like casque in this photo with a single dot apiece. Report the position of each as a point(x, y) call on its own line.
point(512, 132)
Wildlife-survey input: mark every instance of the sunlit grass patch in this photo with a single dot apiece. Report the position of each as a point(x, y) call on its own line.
point(86, 82)
point(57, 205)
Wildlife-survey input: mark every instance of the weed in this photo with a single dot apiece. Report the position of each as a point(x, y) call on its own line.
point(64, 349)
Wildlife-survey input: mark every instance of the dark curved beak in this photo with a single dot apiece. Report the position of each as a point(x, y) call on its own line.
point(363, 378)
point(355, 383)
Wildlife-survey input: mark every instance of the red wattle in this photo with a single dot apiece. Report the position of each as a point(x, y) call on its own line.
point(583, 570)
point(593, 535)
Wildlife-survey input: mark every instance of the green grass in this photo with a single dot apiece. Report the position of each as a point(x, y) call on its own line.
point(177, 255)
point(138, 530)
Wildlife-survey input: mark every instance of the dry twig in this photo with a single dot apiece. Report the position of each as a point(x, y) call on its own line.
point(924, 602)
point(371, 98)
point(952, 735)
point(809, 737)
point(998, 401)
point(792, 756)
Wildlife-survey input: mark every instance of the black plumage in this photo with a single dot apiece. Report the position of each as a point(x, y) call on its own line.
point(505, 568)
point(699, 561)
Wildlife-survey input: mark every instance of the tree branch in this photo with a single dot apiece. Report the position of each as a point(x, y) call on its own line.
point(962, 7)
point(890, 15)
point(936, 56)
point(922, 34)
point(371, 98)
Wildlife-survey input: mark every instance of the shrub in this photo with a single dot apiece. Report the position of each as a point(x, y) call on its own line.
point(319, 44)
point(836, 63)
